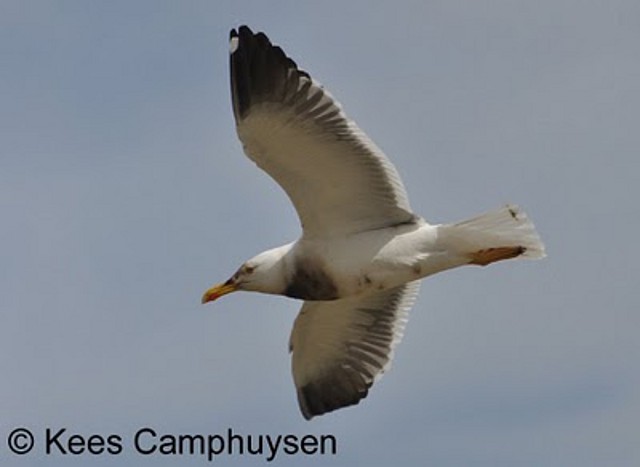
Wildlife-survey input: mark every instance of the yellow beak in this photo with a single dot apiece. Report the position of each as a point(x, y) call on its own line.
point(218, 291)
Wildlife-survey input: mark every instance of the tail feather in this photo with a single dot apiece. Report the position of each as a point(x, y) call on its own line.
point(501, 234)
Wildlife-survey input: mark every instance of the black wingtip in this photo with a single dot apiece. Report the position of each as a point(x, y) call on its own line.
point(324, 396)
point(259, 70)
point(243, 32)
point(242, 29)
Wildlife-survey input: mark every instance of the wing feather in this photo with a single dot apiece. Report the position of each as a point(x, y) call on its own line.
point(336, 177)
point(340, 347)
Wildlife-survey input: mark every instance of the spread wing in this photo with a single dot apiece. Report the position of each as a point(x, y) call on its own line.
point(337, 179)
point(340, 347)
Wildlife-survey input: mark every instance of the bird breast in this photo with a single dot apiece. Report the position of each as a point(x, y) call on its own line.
point(361, 263)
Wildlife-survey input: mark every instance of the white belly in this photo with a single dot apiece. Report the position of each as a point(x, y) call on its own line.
point(380, 259)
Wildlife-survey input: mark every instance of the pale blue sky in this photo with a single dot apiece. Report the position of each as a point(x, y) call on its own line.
point(124, 194)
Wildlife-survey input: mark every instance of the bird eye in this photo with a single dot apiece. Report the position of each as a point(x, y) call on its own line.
point(249, 269)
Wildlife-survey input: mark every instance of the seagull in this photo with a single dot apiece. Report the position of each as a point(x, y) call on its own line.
point(362, 251)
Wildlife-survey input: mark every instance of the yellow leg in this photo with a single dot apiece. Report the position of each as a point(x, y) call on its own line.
point(491, 255)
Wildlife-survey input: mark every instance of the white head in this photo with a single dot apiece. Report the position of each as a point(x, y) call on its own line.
point(264, 273)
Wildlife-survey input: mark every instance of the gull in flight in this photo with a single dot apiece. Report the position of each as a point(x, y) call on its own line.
point(362, 251)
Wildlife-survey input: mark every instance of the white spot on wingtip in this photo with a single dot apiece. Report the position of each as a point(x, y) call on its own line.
point(233, 45)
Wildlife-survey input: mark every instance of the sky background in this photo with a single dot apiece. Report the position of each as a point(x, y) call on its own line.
point(124, 194)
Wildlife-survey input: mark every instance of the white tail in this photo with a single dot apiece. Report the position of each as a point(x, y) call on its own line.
point(493, 236)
